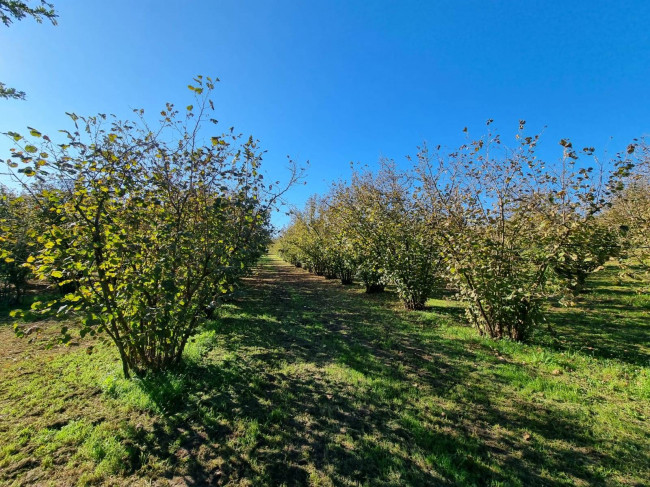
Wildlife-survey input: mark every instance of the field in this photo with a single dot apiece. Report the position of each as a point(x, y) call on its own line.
point(303, 381)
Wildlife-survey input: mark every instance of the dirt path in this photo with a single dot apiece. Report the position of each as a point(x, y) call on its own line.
point(348, 383)
point(344, 313)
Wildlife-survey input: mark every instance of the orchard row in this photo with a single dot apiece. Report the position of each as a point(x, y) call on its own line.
point(497, 224)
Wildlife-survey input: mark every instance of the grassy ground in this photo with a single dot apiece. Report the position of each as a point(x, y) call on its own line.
point(302, 381)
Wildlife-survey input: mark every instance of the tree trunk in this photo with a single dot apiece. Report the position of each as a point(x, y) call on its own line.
point(375, 288)
point(125, 361)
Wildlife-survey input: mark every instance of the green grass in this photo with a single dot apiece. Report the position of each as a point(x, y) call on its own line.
point(302, 381)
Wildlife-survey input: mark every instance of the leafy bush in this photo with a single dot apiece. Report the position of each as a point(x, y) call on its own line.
point(152, 226)
point(306, 238)
point(351, 202)
point(505, 218)
point(409, 252)
point(16, 220)
point(586, 251)
point(630, 210)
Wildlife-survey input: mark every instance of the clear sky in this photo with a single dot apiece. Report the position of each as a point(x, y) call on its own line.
point(339, 81)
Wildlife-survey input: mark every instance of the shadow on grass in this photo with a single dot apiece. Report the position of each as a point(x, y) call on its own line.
point(309, 381)
point(610, 321)
point(35, 293)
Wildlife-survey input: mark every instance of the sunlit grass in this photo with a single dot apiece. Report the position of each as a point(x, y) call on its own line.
point(304, 382)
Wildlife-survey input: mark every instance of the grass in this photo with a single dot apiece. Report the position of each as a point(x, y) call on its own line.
point(302, 381)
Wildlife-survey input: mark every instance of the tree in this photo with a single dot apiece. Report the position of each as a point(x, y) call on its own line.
point(287, 244)
point(11, 10)
point(16, 231)
point(350, 202)
point(586, 250)
point(152, 226)
point(505, 217)
point(630, 210)
point(340, 251)
point(408, 252)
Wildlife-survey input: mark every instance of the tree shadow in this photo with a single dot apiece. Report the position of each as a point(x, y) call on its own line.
point(311, 380)
point(608, 322)
point(35, 292)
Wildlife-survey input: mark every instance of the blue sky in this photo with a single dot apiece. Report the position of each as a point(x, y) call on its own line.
point(339, 81)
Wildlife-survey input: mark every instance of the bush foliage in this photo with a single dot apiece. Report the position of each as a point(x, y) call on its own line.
point(147, 228)
point(505, 228)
